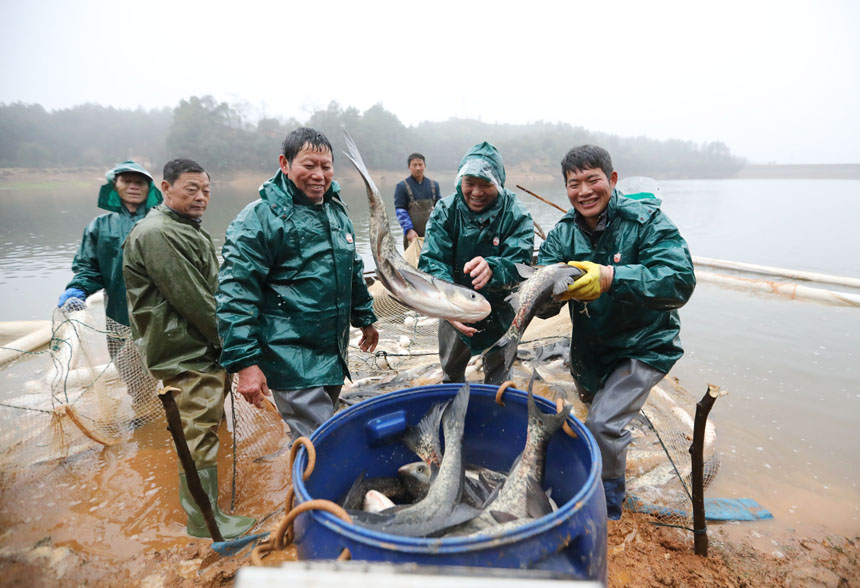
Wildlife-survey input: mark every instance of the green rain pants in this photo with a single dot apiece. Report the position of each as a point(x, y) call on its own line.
point(201, 406)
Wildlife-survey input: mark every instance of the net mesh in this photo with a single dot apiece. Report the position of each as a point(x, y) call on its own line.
point(88, 388)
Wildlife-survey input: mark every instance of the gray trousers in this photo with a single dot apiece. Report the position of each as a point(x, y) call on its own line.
point(306, 409)
point(614, 406)
point(454, 356)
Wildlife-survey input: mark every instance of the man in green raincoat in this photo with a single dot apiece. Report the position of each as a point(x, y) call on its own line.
point(128, 195)
point(171, 272)
point(474, 238)
point(638, 271)
point(290, 287)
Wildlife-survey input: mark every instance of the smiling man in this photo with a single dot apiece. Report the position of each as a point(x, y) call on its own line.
point(638, 271)
point(127, 195)
point(171, 272)
point(291, 285)
point(474, 238)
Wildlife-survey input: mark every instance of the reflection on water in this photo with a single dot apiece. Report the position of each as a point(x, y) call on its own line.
point(788, 428)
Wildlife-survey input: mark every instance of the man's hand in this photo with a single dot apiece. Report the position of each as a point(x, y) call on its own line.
point(252, 385)
point(369, 338)
point(480, 271)
point(596, 280)
point(411, 235)
point(465, 329)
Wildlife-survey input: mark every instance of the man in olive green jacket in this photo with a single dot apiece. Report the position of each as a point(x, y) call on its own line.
point(475, 238)
point(171, 272)
point(291, 285)
point(638, 271)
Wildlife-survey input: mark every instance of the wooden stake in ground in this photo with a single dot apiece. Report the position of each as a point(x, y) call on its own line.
point(700, 527)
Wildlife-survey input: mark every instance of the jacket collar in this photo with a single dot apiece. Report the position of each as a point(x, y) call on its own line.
point(282, 194)
point(485, 216)
point(164, 209)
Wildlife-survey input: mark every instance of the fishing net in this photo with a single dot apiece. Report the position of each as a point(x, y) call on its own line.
point(86, 388)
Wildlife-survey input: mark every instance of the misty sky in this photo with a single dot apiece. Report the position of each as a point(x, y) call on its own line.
point(775, 81)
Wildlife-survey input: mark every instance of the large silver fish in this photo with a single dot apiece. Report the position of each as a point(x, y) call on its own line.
point(441, 508)
point(411, 287)
point(541, 285)
point(521, 498)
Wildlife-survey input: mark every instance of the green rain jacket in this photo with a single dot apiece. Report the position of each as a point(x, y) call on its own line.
point(290, 286)
point(171, 272)
point(503, 234)
point(98, 262)
point(636, 317)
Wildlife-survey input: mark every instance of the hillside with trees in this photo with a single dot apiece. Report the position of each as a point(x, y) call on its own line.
point(223, 138)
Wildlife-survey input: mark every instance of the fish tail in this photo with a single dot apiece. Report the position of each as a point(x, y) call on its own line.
point(546, 424)
point(455, 413)
point(354, 156)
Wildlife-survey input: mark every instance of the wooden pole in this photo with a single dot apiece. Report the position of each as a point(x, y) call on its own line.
point(541, 198)
point(174, 424)
point(700, 526)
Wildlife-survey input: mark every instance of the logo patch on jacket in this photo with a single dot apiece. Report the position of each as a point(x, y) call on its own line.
point(495, 241)
point(349, 237)
point(616, 258)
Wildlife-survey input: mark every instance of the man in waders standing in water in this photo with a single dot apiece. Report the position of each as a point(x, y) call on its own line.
point(414, 199)
point(171, 272)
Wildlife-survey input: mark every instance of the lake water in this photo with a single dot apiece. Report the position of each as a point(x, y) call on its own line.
point(788, 430)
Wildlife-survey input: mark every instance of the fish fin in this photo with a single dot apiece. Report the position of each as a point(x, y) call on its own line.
point(513, 299)
point(355, 496)
point(537, 502)
point(525, 271)
point(462, 513)
point(427, 426)
point(560, 285)
point(414, 278)
point(502, 517)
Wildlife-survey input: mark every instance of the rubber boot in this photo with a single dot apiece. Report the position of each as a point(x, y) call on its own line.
point(231, 526)
point(614, 490)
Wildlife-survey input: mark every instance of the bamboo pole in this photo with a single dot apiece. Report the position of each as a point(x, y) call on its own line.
point(776, 271)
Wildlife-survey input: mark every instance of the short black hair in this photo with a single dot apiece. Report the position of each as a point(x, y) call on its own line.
point(176, 167)
point(302, 136)
point(414, 156)
point(586, 157)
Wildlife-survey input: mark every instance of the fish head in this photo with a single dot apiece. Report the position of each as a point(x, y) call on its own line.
point(468, 306)
point(416, 478)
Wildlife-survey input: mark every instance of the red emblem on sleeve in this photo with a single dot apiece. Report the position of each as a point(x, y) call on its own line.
point(349, 237)
point(617, 258)
point(495, 241)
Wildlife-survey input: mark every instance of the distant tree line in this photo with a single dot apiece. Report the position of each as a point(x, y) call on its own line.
point(221, 137)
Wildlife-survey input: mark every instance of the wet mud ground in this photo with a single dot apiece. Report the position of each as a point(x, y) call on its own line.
point(111, 517)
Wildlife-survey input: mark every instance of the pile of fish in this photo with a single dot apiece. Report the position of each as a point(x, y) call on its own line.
point(441, 496)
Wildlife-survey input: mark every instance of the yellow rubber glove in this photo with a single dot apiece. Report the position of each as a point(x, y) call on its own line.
point(588, 286)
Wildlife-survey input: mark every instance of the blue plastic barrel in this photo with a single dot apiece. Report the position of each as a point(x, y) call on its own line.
point(365, 439)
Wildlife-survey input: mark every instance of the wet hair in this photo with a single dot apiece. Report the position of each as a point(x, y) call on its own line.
point(586, 157)
point(176, 167)
point(301, 137)
point(415, 156)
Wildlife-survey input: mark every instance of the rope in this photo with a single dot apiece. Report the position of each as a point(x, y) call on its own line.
point(69, 411)
point(283, 534)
